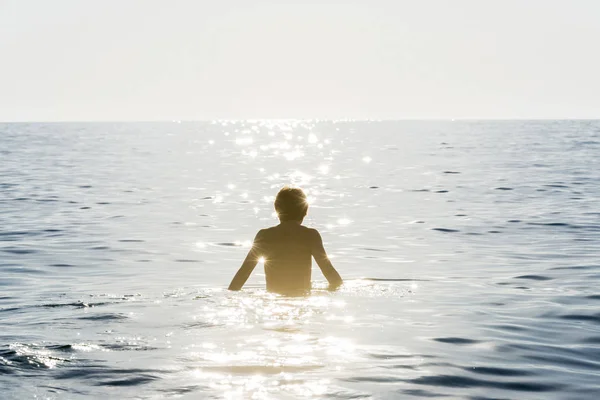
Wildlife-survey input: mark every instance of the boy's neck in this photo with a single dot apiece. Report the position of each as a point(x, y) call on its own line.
point(290, 222)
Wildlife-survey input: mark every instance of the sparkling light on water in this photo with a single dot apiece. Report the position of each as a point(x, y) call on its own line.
point(467, 251)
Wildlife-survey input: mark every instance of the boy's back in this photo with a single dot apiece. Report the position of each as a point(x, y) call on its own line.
point(287, 250)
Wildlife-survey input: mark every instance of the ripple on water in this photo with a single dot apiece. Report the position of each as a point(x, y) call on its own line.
point(76, 304)
point(591, 340)
point(557, 186)
point(563, 361)
point(104, 317)
point(122, 345)
point(457, 381)
point(577, 267)
point(130, 381)
point(104, 376)
point(499, 371)
point(534, 277)
point(595, 318)
point(198, 324)
point(445, 230)
point(19, 251)
point(18, 357)
point(555, 224)
point(16, 235)
point(457, 340)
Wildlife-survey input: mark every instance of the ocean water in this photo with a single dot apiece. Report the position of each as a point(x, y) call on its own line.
point(470, 251)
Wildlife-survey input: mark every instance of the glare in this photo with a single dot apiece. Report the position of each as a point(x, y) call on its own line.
point(312, 138)
point(324, 169)
point(367, 159)
point(292, 155)
point(244, 141)
point(261, 260)
point(343, 221)
point(300, 178)
point(274, 363)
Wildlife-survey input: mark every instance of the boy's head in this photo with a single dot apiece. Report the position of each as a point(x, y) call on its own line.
point(291, 204)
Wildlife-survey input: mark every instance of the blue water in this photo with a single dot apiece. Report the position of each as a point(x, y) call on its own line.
point(469, 248)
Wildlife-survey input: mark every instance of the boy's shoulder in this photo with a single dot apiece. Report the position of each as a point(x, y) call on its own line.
point(277, 228)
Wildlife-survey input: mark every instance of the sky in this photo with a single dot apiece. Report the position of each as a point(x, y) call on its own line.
point(123, 60)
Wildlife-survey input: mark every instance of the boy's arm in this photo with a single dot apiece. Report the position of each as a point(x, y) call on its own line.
point(247, 266)
point(318, 252)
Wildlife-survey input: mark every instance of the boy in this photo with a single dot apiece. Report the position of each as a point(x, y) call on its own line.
point(287, 249)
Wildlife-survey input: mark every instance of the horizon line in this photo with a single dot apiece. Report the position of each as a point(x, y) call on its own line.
point(213, 120)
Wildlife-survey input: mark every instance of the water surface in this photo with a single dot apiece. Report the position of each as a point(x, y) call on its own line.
point(469, 249)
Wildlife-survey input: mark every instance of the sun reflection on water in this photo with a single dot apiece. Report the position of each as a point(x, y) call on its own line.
point(272, 345)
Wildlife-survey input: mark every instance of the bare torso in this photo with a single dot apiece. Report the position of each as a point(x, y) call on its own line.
point(287, 250)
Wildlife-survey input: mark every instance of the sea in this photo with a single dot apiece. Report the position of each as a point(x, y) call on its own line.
point(469, 249)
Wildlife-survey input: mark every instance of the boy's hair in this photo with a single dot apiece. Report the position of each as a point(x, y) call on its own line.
point(291, 204)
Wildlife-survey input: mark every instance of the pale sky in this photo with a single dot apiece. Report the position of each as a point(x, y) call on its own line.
point(74, 60)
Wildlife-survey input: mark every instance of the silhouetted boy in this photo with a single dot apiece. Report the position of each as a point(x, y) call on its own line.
point(287, 249)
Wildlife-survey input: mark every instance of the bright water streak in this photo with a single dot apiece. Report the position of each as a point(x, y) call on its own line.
point(480, 240)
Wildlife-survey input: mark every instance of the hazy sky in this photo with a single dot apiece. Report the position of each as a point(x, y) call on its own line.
point(178, 59)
